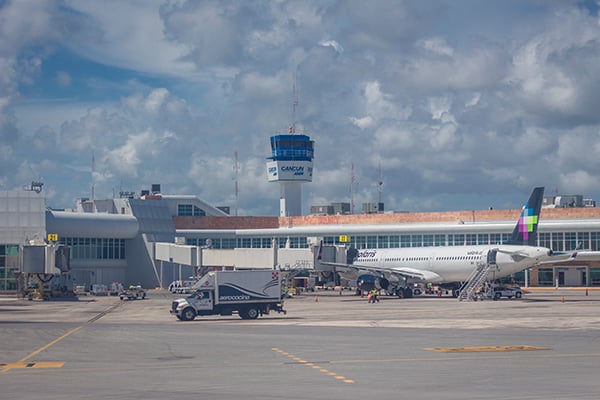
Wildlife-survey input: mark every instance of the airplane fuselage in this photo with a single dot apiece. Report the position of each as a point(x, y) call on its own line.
point(452, 264)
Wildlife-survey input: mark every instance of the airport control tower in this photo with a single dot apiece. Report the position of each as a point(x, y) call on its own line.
point(291, 165)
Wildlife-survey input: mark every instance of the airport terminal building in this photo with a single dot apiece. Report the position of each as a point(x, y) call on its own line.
point(115, 240)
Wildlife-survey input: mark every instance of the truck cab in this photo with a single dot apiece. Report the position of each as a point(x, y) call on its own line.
point(202, 300)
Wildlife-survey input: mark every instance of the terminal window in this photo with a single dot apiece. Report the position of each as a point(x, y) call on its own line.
point(189, 210)
point(9, 266)
point(95, 248)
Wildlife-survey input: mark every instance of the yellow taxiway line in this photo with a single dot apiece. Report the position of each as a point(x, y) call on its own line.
point(483, 349)
point(312, 365)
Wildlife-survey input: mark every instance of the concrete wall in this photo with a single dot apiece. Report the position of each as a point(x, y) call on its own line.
point(22, 216)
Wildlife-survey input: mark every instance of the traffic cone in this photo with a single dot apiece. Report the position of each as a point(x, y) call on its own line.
point(562, 299)
point(316, 299)
point(586, 291)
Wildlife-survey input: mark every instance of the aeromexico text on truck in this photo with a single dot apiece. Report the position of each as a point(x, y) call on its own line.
point(234, 298)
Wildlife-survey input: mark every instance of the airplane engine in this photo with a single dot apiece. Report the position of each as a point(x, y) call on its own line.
point(368, 282)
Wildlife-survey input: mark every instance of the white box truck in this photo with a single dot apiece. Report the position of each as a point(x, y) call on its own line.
point(250, 293)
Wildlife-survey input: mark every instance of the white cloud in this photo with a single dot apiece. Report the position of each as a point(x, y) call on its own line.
point(437, 46)
point(155, 100)
point(475, 69)
point(578, 182)
point(553, 71)
point(125, 159)
point(378, 106)
point(128, 34)
point(332, 43)
point(474, 100)
point(364, 122)
point(447, 113)
point(259, 85)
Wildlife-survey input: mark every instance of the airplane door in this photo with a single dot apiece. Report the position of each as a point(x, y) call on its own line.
point(491, 257)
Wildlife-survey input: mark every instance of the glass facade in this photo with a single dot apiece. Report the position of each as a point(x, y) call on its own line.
point(545, 277)
point(95, 248)
point(9, 267)
point(595, 276)
point(559, 241)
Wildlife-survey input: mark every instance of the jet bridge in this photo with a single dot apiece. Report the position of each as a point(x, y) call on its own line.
point(41, 264)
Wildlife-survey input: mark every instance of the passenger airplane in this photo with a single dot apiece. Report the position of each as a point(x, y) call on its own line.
point(450, 266)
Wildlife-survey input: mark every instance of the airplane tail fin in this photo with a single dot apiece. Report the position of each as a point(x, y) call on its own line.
point(525, 232)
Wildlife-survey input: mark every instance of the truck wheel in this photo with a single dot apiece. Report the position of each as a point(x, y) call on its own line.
point(188, 314)
point(497, 296)
point(518, 295)
point(252, 313)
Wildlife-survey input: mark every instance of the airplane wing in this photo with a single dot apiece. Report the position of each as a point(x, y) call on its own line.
point(398, 272)
point(574, 257)
point(553, 257)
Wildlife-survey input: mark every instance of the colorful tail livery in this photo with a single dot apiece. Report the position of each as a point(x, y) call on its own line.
point(525, 232)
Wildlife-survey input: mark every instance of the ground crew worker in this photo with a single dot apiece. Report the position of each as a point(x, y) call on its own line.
point(374, 295)
point(400, 291)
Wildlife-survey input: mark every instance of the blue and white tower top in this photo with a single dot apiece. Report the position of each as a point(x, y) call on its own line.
point(292, 158)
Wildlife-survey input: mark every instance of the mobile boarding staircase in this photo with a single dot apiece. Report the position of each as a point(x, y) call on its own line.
point(471, 288)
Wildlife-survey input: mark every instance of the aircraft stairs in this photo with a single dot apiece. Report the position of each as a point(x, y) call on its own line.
point(471, 288)
point(288, 276)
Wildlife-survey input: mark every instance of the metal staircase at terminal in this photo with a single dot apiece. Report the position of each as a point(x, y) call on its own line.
point(477, 278)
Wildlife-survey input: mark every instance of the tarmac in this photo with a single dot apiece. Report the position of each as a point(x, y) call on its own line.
point(329, 345)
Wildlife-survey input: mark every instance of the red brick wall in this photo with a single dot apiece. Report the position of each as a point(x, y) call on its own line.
point(225, 222)
point(449, 216)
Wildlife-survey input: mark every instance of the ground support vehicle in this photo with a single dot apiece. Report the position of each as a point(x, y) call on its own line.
point(250, 293)
point(502, 291)
point(181, 287)
point(133, 293)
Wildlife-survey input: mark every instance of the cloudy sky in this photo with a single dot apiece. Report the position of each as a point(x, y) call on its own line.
point(455, 104)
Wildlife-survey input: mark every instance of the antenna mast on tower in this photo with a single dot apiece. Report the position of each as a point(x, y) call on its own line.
point(93, 176)
point(379, 181)
point(295, 103)
point(236, 169)
point(352, 183)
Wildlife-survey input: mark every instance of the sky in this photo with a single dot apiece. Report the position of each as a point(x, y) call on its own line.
point(426, 105)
